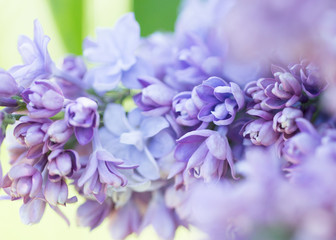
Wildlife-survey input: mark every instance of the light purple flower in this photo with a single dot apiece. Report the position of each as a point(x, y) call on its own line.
point(114, 54)
point(44, 99)
point(23, 181)
point(260, 132)
point(310, 76)
point(202, 154)
point(32, 211)
point(8, 86)
point(221, 101)
point(56, 192)
point(75, 67)
point(62, 163)
point(186, 106)
point(31, 133)
point(155, 98)
point(37, 63)
point(136, 139)
point(284, 121)
point(58, 134)
point(91, 213)
point(83, 115)
point(284, 90)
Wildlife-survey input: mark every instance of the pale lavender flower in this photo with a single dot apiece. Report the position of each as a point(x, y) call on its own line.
point(23, 181)
point(91, 213)
point(58, 134)
point(221, 101)
point(62, 163)
point(8, 86)
point(186, 106)
point(310, 76)
point(44, 99)
point(32, 211)
point(31, 133)
point(284, 121)
point(37, 63)
point(260, 132)
point(114, 54)
point(155, 99)
point(56, 192)
point(202, 154)
point(284, 90)
point(83, 115)
point(75, 67)
point(136, 139)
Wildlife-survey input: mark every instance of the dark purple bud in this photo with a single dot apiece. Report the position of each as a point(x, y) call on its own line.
point(155, 99)
point(220, 101)
point(284, 121)
point(260, 132)
point(58, 134)
point(83, 116)
point(24, 181)
point(8, 86)
point(56, 192)
point(62, 163)
point(44, 99)
point(31, 133)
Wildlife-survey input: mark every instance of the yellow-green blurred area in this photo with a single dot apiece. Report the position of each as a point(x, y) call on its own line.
point(67, 22)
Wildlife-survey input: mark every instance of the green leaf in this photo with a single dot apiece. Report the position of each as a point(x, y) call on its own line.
point(69, 16)
point(156, 15)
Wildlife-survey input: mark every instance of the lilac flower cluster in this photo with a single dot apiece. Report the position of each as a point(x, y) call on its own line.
point(250, 136)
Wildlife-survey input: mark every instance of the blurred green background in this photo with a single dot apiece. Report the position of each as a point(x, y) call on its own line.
point(67, 22)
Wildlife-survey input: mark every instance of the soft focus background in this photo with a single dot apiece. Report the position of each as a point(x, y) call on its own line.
point(67, 22)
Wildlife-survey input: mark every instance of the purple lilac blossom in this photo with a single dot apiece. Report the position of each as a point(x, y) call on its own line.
point(284, 121)
point(56, 192)
point(136, 139)
point(37, 63)
point(31, 133)
point(220, 101)
point(23, 181)
point(44, 99)
point(32, 211)
point(260, 132)
point(114, 54)
point(202, 154)
point(8, 86)
point(155, 99)
point(58, 134)
point(62, 163)
point(82, 114)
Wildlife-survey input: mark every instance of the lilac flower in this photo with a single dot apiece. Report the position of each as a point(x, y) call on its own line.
point(75, 67)
point(138, 140)
point(58, 134)
point(8, 86)
point(163, 219)
point(62, 163)
point(221, 101)
point(23, 181)
point(82, 114)
point(284, 121)
point(32, 211)
point(155, 99)
point(310, 77)
point(91, 213)
point(275, 93)
point(35, 56)
point(186, 106)
point(31, 133)
point(44, 99)
point(260, 132)
point(114, 53)
point(56, 192)
point(202, 154)
point(102, 170)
